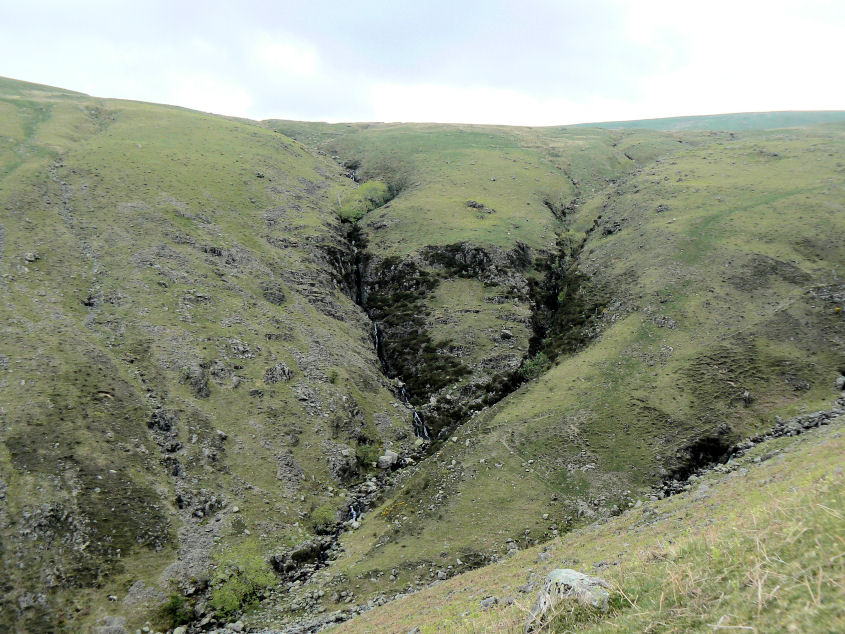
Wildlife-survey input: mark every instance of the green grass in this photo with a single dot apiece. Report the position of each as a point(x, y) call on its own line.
point(710, 295)
point(158, 232)
point(758, 548)
point(181, 255)
point(242, 576)
point(357, 203)
point(738, 122)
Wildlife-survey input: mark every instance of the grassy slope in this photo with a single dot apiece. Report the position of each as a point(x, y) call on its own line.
point(734, 286)
point(17, 88)
point(528, 176)
point(755, 548)
point(745, 121)
point(155, 239)
point(155, 234)
point(442, 166)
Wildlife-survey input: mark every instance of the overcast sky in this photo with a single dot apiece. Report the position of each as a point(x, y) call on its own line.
point(531, 62)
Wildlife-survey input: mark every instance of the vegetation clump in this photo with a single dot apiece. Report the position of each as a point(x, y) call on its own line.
point(397, 303)
point(534, 367)
point(241, 579)
point(566, 302)
point(366, 197)
point(177, 611)
point(323, 518)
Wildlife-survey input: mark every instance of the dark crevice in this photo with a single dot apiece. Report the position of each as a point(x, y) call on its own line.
point(704, 452)
point(720, 448)
point(358, 246)
point(566, 304)
point(560, 209)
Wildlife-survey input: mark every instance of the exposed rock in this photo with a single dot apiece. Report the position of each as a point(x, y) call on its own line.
point(112, 625)
point(273, 293)
point(343, 464)
point(564, 583)
point(611, 227)
point(140, 593)
point(197, 377)
point(489, 602)
point(293, 564)
point(289, 472)
point(277, 373)
point(388, 459)
point(481, 207)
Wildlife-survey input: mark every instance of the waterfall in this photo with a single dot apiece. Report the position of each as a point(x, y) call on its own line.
point(419, 426)
point(404, 396)
point(354, 514)
point(379, 345)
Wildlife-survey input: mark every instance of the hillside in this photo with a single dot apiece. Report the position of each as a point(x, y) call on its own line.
point(273, 370)
point(741, 121)
point(175, 345)
point(731, 550)
point(674, 288)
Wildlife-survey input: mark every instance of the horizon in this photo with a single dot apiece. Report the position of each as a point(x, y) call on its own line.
point(398, 122)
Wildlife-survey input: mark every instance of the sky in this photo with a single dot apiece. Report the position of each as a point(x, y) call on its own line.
point(529, 62)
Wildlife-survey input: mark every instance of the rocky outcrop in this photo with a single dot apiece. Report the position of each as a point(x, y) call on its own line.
point(445, 378)
point(301, 561)
point(562, 584)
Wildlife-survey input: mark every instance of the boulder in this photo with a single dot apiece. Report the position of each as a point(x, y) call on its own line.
point(388, 459)
point(292, 563)
point(563, 583)
point(112, 625)
point(489, 602)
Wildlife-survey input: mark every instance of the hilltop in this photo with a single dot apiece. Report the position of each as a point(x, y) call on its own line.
point(740, 121)
point(274, 370)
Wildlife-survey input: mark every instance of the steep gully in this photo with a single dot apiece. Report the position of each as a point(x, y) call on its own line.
point(391, 293)
point(564, 306)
